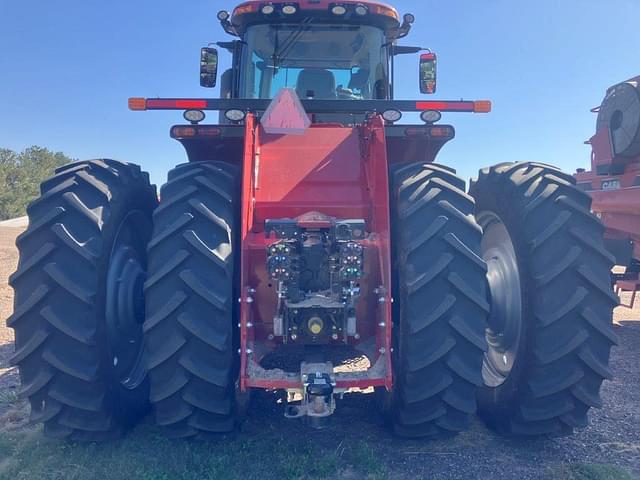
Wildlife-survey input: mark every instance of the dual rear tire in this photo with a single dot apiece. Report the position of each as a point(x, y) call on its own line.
point(519, 318)
point(532, 338)
point(190, 333)
point(550, 330)
point(77, 315)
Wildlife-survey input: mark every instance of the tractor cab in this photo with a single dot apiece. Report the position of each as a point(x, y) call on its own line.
point(322, 50)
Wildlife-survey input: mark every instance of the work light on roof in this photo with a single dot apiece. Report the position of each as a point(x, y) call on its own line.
point(268, 9)
point(338, 9)
point(409, 18)
point(223, 15)
point(289, 9)
point(361, 9)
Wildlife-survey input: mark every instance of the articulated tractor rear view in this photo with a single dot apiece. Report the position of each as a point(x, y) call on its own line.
point(311, 246)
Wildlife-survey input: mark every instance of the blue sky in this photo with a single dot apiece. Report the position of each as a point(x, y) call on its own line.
point(68, 67)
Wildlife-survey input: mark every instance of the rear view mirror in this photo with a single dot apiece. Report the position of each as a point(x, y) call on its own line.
point(208, 67)
point(428, 73)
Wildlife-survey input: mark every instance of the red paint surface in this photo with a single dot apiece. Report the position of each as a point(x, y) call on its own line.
point(340, 172)
point(618, 209)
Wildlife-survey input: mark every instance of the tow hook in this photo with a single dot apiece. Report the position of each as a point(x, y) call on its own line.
point(318, 402)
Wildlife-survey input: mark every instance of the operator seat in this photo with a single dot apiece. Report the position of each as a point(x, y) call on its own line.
point(317, 83)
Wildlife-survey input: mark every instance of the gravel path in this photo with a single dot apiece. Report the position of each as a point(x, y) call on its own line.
point(613, 436)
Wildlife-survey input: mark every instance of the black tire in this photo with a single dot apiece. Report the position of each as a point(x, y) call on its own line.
point(67, 337)
point(554, 366)
point(190, 333)
point(440, 304)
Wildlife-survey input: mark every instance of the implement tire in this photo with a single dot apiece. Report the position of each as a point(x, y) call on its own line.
point(440, 306)
point(78, 300)
point(550, 329)
point(190, 333)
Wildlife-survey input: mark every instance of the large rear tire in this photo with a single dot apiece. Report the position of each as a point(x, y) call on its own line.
point(440, 304)
point(190, 332)
point(78, 300)
point(550, 330)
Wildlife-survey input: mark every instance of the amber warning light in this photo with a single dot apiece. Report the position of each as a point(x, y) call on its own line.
point(137, 104)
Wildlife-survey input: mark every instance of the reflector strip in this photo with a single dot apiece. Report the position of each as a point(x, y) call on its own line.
point(446, 106)
point(482, 106)
point(311, 106)
point(441, 132)
point(416, 131)
point(179, 132)
point(137, 104)
point(176, 104)
point(199, 131)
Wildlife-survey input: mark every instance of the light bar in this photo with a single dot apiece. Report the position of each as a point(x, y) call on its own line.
point(186, 104)
point(311, 106)
point(479, 106)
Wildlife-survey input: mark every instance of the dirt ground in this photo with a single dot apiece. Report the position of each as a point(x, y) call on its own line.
point(612, 439)
point(8, 262)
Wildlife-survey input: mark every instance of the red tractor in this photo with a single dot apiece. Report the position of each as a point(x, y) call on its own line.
point(312, 246)
point(614, 179)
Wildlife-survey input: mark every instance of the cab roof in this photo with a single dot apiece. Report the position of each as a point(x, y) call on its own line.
point(379, 14)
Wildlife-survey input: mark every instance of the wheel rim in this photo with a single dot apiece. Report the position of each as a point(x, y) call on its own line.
point(505, 319)
point(124, 311)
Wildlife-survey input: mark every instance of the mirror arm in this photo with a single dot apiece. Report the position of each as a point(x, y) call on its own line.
point(406, 50)
point(228, 27)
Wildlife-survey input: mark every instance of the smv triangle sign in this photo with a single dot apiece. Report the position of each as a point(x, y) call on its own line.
point(285, 115)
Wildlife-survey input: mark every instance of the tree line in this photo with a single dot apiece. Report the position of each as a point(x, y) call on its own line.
point(21, 174)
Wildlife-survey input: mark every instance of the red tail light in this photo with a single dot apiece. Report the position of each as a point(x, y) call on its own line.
point(177, 104)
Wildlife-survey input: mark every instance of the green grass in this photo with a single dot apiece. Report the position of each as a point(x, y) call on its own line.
point(9, 397)
point(588, 471)
point(145, 454)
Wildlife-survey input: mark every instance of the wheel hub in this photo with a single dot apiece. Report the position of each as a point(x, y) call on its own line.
point(124, 312)
point(505, 320)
